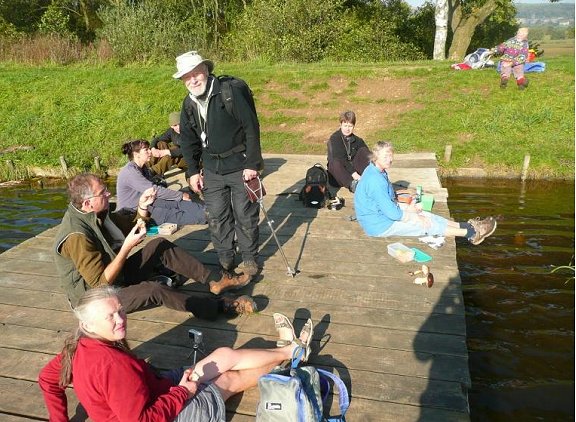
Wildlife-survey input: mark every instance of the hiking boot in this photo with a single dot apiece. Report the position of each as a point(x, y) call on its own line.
point(483, 229)
point(226, 264)
point(248, 267)
point(503, 83)
point(228, 282)
point(235, 306)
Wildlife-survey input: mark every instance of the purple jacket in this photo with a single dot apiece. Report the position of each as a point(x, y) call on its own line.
point(132, 181)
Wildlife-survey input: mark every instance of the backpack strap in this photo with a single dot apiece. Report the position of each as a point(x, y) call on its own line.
point(227, 96)
point(343, 399)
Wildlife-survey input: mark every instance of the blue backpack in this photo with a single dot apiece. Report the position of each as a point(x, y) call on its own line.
point(298, 394)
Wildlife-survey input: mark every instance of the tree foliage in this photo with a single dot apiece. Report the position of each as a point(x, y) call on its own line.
point(268, 30)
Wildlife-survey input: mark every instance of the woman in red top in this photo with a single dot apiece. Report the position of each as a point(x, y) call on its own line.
point(114, 385)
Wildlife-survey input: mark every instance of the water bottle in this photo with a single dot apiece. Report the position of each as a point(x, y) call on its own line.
point(418, 194)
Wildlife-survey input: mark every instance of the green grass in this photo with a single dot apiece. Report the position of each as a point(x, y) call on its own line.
point(82, 112)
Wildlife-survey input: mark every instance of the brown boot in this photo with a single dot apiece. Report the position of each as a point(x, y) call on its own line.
point(242, 305)
point(483, 228)
point(229, 281)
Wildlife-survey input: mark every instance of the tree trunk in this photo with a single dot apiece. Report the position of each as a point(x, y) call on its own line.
point(441, 18)
point(463, 26)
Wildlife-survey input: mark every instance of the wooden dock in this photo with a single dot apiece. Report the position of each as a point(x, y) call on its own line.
point(399, 347)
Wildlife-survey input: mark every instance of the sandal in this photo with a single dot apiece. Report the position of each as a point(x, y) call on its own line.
point(281, 322)
point(305, 339)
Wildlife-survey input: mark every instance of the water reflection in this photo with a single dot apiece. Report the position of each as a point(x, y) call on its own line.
point(26, 211)
point(519, 316)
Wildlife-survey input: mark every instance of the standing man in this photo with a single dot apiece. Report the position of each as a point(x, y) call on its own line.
point(225, 143)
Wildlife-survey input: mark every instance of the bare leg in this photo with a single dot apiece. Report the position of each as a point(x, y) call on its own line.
point(225, 359)
point(455, 231)
point(234, 382)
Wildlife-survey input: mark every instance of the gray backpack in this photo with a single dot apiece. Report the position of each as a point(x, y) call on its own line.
point(298, 395)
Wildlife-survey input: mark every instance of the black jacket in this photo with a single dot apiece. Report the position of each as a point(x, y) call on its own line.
point(337, 150)
point(233, 142)
point(170, 137)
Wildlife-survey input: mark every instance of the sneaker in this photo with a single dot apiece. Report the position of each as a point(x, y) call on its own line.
point(523, 85)
point(305, 339)
point(228, 282)
point(242, 305)
point(503, 82)
point(248, 267)
point(284, 328)
point(483, 229)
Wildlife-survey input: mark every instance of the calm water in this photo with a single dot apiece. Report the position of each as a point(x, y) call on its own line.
point(520, 317)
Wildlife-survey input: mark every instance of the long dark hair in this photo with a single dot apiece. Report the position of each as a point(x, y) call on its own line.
point(130, 147)
point(82, 312)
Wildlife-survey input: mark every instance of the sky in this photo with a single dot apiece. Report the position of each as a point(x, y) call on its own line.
point(416, 3)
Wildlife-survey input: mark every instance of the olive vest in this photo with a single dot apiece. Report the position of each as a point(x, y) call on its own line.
point(79, 222)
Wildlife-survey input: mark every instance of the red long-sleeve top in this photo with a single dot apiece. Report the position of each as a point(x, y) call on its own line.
point(112, 385)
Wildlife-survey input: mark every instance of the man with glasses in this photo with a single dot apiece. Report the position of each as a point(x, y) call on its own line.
point(91, 251)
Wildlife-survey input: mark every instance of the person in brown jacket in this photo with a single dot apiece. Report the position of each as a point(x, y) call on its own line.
point(91, 251)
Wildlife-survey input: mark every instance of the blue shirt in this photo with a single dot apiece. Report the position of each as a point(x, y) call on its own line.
point(375, 202)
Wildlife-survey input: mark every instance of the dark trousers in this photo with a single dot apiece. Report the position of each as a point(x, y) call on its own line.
point(231, 214)
point(341, 170)
point(137, 293)
point(179, 212)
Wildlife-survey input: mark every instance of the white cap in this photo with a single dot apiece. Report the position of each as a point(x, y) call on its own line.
point(188, 61)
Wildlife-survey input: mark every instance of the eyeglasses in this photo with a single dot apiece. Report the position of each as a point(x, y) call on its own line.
point(105, 193)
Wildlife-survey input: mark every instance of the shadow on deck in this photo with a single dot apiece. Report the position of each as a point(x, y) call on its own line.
point(400, 348)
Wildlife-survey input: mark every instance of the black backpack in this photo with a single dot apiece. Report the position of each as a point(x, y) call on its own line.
point(315, 192)
point(227, 86)
point(227, 83)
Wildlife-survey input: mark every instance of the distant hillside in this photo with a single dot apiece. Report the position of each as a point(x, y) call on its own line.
point(561, 14)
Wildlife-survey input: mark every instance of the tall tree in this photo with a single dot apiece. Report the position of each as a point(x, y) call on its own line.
point(466, 17)
point(441, 19)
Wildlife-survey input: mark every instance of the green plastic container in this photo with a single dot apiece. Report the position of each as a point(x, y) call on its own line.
point(427, 202)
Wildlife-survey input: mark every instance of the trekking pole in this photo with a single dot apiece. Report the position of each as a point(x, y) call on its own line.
point(257, 195)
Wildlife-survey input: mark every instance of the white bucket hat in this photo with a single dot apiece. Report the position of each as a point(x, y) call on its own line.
point(188, 61)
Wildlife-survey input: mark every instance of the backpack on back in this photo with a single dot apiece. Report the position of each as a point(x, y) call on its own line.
point(227, 86)
point(298, 395)
point(315, 192)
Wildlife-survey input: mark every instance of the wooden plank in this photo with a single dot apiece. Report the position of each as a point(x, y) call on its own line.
point(411, 340)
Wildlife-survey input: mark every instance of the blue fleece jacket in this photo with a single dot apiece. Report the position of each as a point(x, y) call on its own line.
point(375, 202)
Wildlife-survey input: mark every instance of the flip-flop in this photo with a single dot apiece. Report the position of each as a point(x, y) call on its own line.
point(282, 321)
point(305, 338)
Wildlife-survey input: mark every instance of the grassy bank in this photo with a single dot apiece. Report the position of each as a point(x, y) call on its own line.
point(84, 112)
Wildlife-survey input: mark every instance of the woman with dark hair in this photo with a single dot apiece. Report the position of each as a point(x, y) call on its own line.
point(348, 154)
point(170, 206)
point(112, 384)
